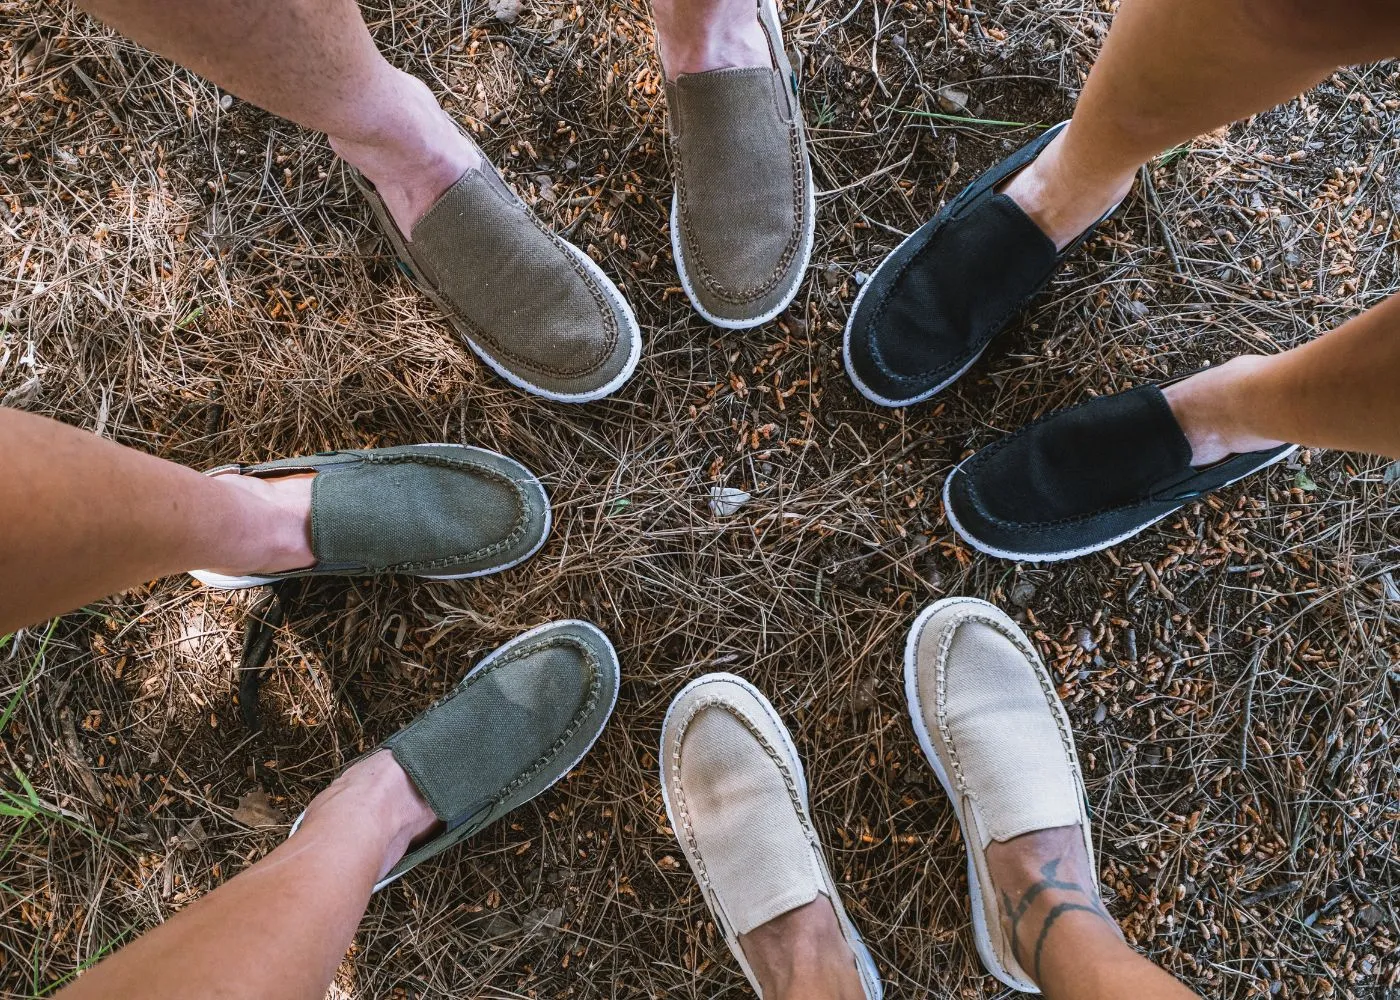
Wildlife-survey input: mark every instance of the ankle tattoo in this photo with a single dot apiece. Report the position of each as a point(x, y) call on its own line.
point(1087, 901)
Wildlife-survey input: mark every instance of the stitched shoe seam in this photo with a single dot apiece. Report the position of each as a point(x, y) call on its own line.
point(522, 520)
point(790, 248)
point(683, 808)
point(986, 454)
point(983, 336)
point(420, 277)
point(1022, 644)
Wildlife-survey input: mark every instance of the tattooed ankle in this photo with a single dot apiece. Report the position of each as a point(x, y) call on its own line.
point(1083, 899)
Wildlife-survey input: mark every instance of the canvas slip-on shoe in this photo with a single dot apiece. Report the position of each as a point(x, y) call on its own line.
point(533, 306)
point(440, 511)
point(989, 722)
point(736, 797)
point(934, 305)
point(1084, 479)
point(743, 213)
point(513, 727)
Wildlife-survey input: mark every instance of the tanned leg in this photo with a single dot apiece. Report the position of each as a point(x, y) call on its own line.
point(81, 518)
point(1171, 70)
point(313, 61)
point(278, 930)
point(1062, 935)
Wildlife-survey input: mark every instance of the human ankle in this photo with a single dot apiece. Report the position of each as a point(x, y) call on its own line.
point(1047, 890)
point(696, 36)
point(271, 531)
point(1211, 408)
point(802, 955)
point(376, 793)
point(1064, 202)
point(409, 149)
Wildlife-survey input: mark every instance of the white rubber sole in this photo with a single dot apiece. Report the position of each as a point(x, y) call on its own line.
point(980, 935)
point(220, 582)
point(490, 658)
point(870, 973)
point(1038, 557)
point(808, 239)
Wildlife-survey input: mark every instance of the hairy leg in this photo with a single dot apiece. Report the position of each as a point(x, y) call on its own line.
point(81, 517)
point(278, 930)
point(1061, 933)
point(313, 61)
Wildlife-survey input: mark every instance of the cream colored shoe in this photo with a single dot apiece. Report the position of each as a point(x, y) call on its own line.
point(990, 723)
point(737, 798)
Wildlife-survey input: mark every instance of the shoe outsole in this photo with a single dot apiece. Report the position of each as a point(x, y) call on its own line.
point(218, 581)
point(870, 972)
point(1062, 555)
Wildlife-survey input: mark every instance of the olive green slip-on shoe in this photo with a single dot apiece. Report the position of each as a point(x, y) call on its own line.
point(743, 214)
point(441, 511)
point(533, 306)
point(513, 727)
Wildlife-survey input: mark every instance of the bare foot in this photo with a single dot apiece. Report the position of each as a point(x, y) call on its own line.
point(1046, 885)
point(700, 35)
point(417, 154)
point(802, 954)
point(376, 792)
point(276, 534)
point(1203, 406)
point(1057, 199)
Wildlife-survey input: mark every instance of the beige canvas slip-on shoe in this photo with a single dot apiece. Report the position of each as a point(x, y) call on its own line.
point(533, 306)
point(988, 719)
point(736, 797)
point(743, 214)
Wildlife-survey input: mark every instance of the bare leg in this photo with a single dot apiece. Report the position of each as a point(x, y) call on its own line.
point(700, 35)
point(278, 930)
point(314, 62)
point(81, 518)
point(1169, 71)
point(801, 955)
point(1064, 938)
point(1341, 390)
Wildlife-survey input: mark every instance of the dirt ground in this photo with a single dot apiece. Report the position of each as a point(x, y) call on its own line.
point(189, 276)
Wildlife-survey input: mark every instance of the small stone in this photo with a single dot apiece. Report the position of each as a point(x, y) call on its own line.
point(862, 277)
point(255, 809)
point(1085, 639)
point(1023, 593)
point(226, 101)
point(505, 11)
point(1370, 915)
point(1137, 308)
point(725, 501)
point(863, 697)
point(952, 100)
point(1100, 713)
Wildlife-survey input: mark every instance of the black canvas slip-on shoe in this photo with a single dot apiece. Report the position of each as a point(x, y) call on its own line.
point(934, 305)
point(1084, 479)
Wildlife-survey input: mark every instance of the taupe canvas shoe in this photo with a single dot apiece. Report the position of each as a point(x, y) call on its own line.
point(441, 511)
point(988, 719)
point(736, 796)
point(533, 306)
point(513, 727)
point(744, 211)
